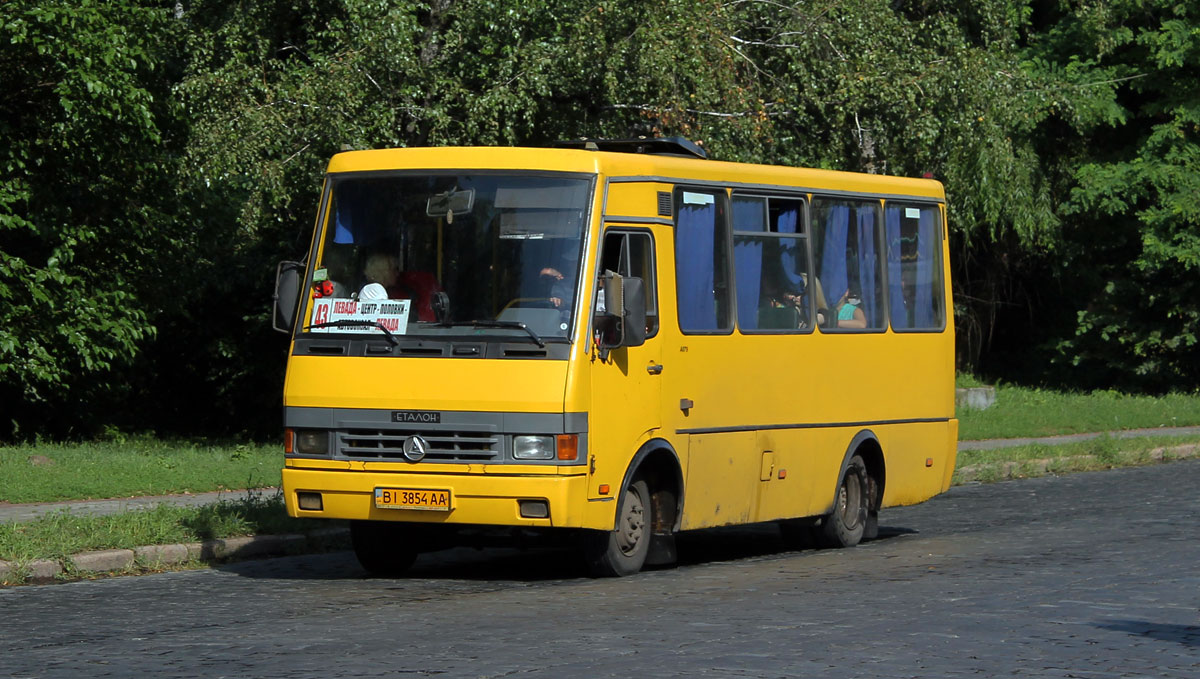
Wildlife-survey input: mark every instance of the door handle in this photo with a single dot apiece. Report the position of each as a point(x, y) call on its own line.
point(654, 368)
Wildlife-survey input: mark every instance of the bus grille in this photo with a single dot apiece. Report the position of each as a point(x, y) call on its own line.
point(445, 446)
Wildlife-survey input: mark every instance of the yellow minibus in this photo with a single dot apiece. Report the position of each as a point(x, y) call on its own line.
point(615, 341)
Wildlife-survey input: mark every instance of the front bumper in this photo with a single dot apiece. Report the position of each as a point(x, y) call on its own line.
point(479, 499)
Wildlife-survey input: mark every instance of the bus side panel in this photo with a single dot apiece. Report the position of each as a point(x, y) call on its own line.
point(722, 480)
point(786, 478)
point(919, 459)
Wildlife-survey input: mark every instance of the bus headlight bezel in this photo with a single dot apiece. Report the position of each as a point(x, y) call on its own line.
point(533, 447)
point(312, 442)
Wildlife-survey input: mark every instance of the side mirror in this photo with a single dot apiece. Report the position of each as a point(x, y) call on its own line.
point(287, 295)
point(625, 305)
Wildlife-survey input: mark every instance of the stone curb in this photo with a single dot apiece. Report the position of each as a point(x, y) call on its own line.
point(156, 556)
point(1022, 468)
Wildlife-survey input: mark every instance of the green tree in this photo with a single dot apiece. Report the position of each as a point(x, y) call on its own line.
point(81, 202)
point(1134, 210)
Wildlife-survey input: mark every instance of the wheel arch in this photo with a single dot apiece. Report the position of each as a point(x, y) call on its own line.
point(657, 460)
point(866, 445)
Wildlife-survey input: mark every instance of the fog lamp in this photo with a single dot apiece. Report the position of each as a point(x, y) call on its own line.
point(533, 447)
point(534, 509)
point(309, 501)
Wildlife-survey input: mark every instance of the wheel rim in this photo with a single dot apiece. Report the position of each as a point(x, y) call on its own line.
point(633, 523)
point(850, 501)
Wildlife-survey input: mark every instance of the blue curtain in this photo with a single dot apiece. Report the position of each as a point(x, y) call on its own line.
point(747, 262)
point(833, 253)
point(867, 264)
point(895, 289)
point(926, 256)
point(694, 238)
point(787, 220)
point(790, 249)
point(748, 215)
point(351, 217)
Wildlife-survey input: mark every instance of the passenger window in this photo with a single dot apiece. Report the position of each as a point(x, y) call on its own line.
point(702, 262)
point(914, 249)
point(770, 262)
point(631, 254)
point(849, 281)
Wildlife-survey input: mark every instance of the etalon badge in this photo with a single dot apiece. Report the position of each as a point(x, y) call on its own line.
point(415, 448)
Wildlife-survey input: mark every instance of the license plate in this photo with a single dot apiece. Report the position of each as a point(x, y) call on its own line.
point(412, 498)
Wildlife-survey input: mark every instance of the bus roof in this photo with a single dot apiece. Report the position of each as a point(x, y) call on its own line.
point(652, 167)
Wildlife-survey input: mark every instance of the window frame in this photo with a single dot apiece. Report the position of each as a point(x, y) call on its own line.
point(940, 268)
point(804, 236)
point(721, 222)
point(651, 288)
point(881, 268)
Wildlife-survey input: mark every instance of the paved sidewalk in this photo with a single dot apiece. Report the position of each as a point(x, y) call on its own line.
point(991, 444)
point(29, 512)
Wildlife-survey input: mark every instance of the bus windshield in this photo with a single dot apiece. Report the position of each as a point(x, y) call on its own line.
point(450, 254)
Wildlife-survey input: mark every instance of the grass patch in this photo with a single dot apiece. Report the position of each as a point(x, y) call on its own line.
point(61, 534)
point(48, 472)
point(1027, 412)
point(1101, 453)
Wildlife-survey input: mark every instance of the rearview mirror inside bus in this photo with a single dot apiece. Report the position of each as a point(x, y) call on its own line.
point(624, 323)
point(287, 295)
point(453, 202)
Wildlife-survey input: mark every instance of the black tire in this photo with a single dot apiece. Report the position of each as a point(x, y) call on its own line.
point(845, 525)
point(623, 551)
point(384, 548)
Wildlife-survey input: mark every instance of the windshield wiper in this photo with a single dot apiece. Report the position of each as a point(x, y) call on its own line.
point(509, 324)
point(352, 323)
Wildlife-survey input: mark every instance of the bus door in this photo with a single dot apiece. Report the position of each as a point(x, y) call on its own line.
point(626, 384)
point(709, 398)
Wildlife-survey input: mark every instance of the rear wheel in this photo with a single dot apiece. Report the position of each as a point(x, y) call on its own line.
point(623, 551)
point(384, 548)
point(845, 525)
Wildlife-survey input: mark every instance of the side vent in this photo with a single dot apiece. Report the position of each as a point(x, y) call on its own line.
point(421, 351)
point(525, 353)
point(330, 349)
point(664, 203)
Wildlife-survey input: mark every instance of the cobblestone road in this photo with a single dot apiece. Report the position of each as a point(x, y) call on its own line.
point(1089, 575)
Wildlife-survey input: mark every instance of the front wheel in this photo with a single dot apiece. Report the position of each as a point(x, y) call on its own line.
point(845, 525)
point(623, 551)
point(384, 548)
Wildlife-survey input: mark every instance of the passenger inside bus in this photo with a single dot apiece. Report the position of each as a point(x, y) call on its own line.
point(781, 308)
point(386, 281)
point(849, 310)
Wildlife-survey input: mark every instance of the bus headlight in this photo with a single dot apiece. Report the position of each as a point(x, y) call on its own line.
point(312, 442)
point(533, 447)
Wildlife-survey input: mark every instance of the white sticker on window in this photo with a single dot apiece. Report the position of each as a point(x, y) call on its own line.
point(912, 213)
point(690, 198)
point(390, 313)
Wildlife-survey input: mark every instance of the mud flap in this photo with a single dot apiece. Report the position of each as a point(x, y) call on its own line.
point(662, 550)
point(871, 529)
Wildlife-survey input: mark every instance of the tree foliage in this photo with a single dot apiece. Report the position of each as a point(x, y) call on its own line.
point(164, 155)
point(84, 119)
point(1135, 204)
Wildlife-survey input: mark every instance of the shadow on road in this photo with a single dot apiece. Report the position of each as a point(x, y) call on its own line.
point(536, 564)
point(1188, 635)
